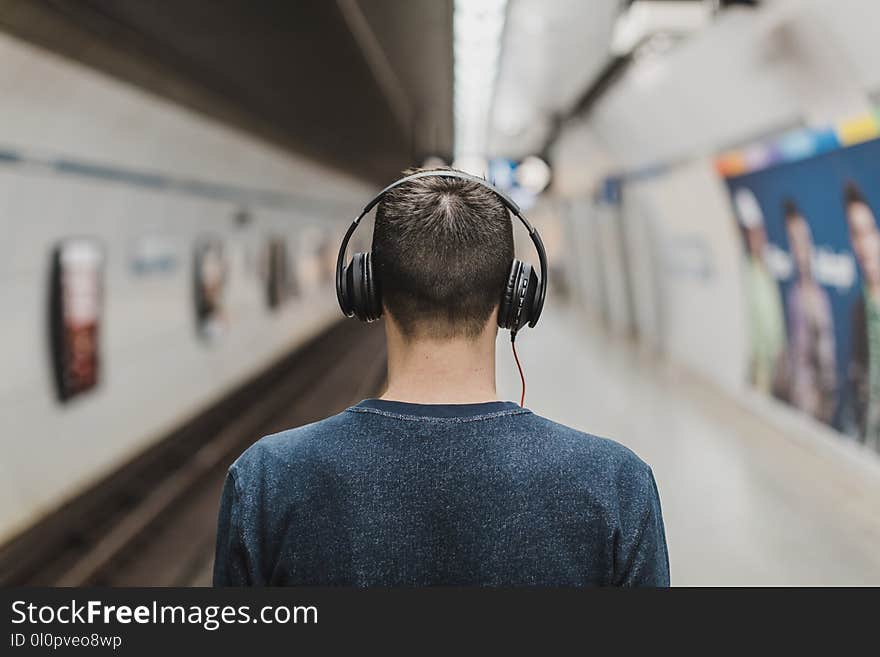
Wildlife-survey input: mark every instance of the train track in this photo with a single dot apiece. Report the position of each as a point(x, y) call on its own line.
point(153, 522)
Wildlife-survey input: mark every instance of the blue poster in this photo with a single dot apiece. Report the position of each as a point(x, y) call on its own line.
point(812, 275)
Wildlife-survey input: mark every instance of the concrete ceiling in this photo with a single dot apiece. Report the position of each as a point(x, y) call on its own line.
point(416, 36)
point(362, 85)
point(551, 54)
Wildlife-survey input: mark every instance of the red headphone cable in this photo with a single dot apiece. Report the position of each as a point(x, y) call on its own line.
point(522, 377)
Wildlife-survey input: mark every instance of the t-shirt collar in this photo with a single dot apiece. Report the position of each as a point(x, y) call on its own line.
point(438, 410)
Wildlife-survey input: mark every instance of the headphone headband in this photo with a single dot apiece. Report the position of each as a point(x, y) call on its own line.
point(460, 175)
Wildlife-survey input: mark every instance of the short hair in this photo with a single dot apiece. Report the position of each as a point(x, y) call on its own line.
point(790, 210)
point(442, 250)
point(852, 194)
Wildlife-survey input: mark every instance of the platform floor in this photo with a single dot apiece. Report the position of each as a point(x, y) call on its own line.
point(744, 503)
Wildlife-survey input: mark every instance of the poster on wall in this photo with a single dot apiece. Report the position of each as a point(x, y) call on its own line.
point(811, 244)
point(281, 283)
point(75, 303)
point(210, 273)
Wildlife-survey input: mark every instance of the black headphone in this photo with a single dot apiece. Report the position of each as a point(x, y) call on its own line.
point(522, 299)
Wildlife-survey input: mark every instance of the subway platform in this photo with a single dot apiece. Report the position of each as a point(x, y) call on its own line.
point(746, 500)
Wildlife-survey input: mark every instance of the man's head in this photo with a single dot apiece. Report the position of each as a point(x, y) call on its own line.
point(442, 249)
point(800, 238)
point(863, 233)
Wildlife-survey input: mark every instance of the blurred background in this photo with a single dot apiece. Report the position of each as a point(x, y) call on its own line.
point(175, 178)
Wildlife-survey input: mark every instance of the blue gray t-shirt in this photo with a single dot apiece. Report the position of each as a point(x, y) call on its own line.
point(395, 494)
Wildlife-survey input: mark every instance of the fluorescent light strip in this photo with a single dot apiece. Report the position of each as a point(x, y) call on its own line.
point(478, 26)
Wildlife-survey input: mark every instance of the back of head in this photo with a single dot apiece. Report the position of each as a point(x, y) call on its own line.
point(442, 250)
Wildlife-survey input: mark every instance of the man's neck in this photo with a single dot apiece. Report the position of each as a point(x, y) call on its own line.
point(454, 371)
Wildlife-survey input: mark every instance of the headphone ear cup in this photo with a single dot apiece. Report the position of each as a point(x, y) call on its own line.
point(344, 291)
point(372, 291)
point(528, 301)
point(536, 303)
point(360, 288)
point(517, 306)
point(507, 305)
point(355, 284)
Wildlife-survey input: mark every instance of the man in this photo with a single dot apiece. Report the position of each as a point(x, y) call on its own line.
point(438, 482)
point(864, 366)
point(767, 371)
point(813, 361)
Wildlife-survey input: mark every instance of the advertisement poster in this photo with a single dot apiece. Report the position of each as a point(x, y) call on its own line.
point(812, 277)
point(210, 272)
point(75, 301)
point(280, 281)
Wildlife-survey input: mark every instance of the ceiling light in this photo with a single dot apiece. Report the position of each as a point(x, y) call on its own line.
point(478, 26)
point(533, 174)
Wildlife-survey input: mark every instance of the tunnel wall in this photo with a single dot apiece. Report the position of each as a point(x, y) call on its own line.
point(689, 275)
point(159, 193)
point(752, 76)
